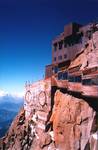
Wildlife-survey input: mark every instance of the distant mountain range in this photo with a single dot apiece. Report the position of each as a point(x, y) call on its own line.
point(9, 107)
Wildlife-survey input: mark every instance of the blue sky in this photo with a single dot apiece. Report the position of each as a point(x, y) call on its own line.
point(26, 32)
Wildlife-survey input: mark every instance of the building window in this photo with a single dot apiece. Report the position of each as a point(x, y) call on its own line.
point(65, 75)
point(60, 57)
point(55, 69)
point(54, 58)
point(60, 76)
point(60, 45)
point(65, 56)
point(71, 79)
point(90, 81)
point(78, 79)
point(72, 40)
point(55, 47)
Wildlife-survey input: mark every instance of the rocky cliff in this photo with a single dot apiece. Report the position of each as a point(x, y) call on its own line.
point(54, 119)
point(73, 122)
point(70, 126)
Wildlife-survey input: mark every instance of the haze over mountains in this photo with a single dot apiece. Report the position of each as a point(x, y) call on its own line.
point(9, 107)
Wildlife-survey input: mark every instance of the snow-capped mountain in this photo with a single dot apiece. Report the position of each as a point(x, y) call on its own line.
point(15, 94)
point(10, 104)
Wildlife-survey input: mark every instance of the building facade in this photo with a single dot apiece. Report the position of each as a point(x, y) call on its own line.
point(67, 46)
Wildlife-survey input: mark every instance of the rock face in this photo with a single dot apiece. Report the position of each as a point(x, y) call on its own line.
point(92, 51)
point(89, 55)
point(72, 122)
point(70, 127)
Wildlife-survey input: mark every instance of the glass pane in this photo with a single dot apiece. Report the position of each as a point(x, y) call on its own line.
point(60, 76)
point(65, 76)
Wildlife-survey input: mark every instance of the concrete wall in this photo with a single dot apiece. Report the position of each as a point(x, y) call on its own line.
point(70, 53)
point(38, 97)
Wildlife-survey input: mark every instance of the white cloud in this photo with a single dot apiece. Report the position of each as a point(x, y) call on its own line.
point(3, 93)
point(15, 94)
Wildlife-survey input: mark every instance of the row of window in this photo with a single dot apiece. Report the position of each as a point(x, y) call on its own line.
point(77, 79)
point(68, 41)
point(65, 76)
point(58, 45)
point(60, 57)
point(90, 81)
point(62, 76)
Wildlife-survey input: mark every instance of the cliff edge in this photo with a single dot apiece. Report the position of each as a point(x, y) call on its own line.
point(54, 119)
point(70, 126)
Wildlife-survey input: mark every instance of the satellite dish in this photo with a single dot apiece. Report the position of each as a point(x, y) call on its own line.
point(42, 98)
point(28, 96)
